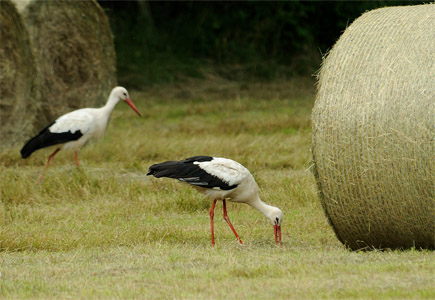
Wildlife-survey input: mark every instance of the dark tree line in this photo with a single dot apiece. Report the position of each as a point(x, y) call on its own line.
point(157, 40)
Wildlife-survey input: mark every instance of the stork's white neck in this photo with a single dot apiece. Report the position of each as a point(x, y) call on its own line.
point(110, 104)
point(264, 208)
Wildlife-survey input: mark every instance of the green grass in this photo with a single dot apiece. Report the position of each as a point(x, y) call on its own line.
point(109, 231)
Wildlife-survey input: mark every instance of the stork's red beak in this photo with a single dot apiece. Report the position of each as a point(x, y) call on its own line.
point(129, 102)
point(277, 232)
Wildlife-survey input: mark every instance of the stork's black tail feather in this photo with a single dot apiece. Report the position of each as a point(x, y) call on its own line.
point(34, 143)
point(177, 169)
point(46, 138)
point(170, 169)
point(190, 172)
point(28, 148)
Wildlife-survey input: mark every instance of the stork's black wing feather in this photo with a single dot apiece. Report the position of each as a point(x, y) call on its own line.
point(46, 138)
point(189, 172)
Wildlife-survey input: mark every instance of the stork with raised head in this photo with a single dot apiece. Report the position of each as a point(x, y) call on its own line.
point(220, 179)
point(76, 128)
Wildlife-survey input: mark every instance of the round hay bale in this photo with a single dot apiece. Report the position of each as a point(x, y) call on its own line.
point(374, 130)
point(74, 51)
point(18, 101)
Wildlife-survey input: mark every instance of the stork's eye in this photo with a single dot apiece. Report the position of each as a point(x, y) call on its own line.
point(125, 94)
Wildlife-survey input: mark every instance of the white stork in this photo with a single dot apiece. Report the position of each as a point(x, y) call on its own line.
point(220, 179)
point(75, 129)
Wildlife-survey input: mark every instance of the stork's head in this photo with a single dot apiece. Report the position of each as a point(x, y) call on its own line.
point(122, 94)
point(275, 216)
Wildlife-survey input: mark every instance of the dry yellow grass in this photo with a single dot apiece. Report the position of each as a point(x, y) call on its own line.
point(111, 232)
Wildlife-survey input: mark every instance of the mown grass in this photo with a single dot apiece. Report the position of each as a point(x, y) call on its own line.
point(109, 231)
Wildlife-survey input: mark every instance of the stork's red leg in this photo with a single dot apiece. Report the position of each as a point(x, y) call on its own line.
point(229, 223)
point(211, 221)
point(48, 163)
point(76, 159)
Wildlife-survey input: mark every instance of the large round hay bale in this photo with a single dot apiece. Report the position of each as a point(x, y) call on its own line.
point(74, 51)
point(18, 101)
point(374, 130)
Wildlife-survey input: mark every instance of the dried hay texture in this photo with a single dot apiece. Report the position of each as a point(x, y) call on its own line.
point(374, 130)
point(74, 51)
point(18, 100)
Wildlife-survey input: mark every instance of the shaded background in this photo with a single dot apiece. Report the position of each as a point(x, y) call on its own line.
point(158, 42)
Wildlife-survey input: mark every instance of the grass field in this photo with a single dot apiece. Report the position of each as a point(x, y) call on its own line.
point(109, 231)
